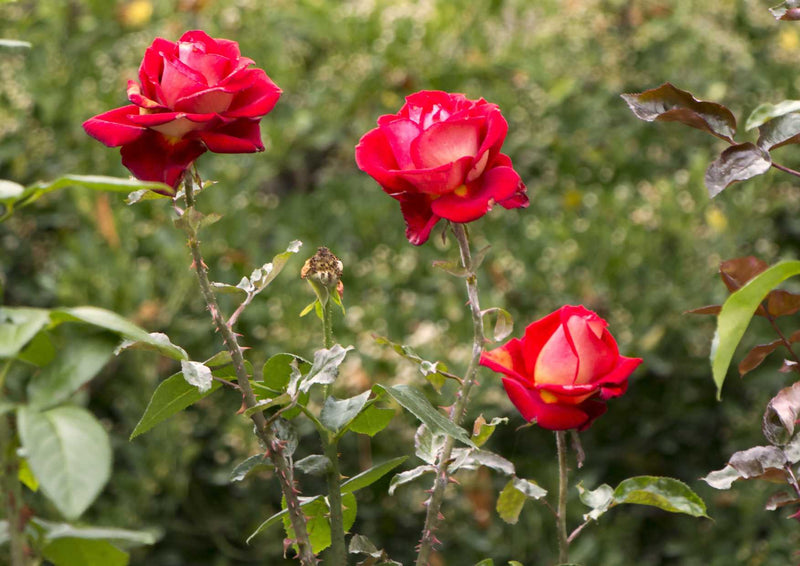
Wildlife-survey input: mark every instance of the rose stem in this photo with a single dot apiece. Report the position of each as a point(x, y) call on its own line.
point(12, 492)
point(433, 516)
point(275, 446)
point(338, 552)
point(561, 516)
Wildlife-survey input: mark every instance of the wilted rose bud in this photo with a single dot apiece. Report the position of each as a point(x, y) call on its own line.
point(324, 270)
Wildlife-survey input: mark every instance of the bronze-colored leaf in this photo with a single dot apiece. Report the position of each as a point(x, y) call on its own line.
point(782, 130)
point(781, 499)
point(710, 309)
point(782, 303)
point(788, 10)
point(781, 415)
point(757, 355)
point(760, 462)
point(669, 104)
point(737, 163)
point(738, 271)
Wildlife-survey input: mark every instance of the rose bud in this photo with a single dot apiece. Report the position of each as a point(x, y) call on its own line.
point(194, 95)
point(440, 157)
point(563, 369)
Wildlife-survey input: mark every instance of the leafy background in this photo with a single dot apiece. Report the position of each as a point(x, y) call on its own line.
point(619, 221)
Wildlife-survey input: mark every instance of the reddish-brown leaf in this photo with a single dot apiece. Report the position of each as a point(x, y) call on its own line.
point(738, 271)
point(669, 104)
point(782, 303)
point(757, 355)
point(710, 309)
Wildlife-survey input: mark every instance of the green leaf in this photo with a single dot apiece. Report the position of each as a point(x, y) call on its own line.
point(767, 111)
point(317, 523)
point(372, 420)
point(451, 266)
point(109, 320)
point(737, 163)
point(14, 44)
point(668, 494)
point(93, 182)
point(510, 503)
point(337, 414)
point(40, 351)
point(428, 445)
point(313, 465)
point(54, 531)
point(83, 552)
point(72, 368)
point(159, 342)
point(277, 370)
point(481, 430)
point(736, 313)
point(669, 104)
point(485, 562)
point(26, 477)
point(325, 368)
point(18, 325)
point(254, 463)
point(416, 403)
point(370, 476)
point(173, 395)
point(266, 274)
point(409, 475)
point(70, 454)
point(504, 324)
point(264, 404)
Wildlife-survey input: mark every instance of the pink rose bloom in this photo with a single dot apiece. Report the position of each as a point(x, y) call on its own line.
point(440, 157)
point(194, 95)
point(563, 370)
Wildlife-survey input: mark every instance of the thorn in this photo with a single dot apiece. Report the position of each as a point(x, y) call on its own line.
point(451, 479)
point(441, 517)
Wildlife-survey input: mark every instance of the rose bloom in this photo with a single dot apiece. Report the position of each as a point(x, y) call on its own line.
point(194, 95)
point(564, 368)
point(440, 157)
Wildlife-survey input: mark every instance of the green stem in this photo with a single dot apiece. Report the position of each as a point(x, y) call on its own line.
point(337, 555)
point(561, 516)
point(275, 446)
point(12, 492)
point(433, 516)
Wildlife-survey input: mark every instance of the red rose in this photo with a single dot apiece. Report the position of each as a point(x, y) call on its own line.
point(195, 95)
point(563, 369)
point(440, 157)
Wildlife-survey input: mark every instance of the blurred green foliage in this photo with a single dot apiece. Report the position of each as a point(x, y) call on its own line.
point(619, 221)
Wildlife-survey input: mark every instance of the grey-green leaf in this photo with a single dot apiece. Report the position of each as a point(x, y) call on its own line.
point(337, 414)
point(54, 531)
point(71, 368)
point(252, 464)
point(18, 326)
point(767, 111)
point(372, 420)
point(737, 163)
point(510, 503)
point(416, 403)
point(83, 552)
point(69, 453)
point(409, 476)
point(783, 130)
point(736, 313)
point(600, 500)
point(668, 494)
point(313, 465)
point(325, 368)
point(370, 476)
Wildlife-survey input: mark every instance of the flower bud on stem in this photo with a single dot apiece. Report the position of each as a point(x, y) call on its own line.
point(284, 472)
point(458, 410)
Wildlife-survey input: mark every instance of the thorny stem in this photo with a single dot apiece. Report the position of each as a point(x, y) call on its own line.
point(561, 517)
point(337, 555)
point(274, 446)
point(433, 515)
point(12, 494)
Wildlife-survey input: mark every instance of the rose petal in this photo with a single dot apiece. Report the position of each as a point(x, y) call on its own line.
point(224, 47)
point(551, 416)
point(615, 383)
point(439, 181)
point(419, 219)
point(240, 136)
point(178, 81)
point(446, 142)
point(115, 128)
point(374, 156)
point(536, 336)
point(213, 100)
point(507, 359)
point(400, 134)
point(256, 100)
point(153, 157)
point(494, 186)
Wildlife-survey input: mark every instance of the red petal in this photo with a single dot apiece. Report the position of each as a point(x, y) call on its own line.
point(551, 416)
point(439, 181)
point(225, 47)
point(212, 100)
point(494, 186)
point(241, 136)
point(400, 134)
point(507, 359)
point(446, 142)
point(374, 156)
point(418, 216)
point(153, 158)
point(615, 383)
point(178, 81)
point(536, 336)
point(115, 128)
point(258, 99)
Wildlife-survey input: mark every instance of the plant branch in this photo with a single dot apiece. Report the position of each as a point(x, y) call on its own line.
point(274, 446)
point(574, 534)
point(433, 516)
point(786, 169)
point(12, 494)
point(561, 518)
point(781, 335)
point(792, 478)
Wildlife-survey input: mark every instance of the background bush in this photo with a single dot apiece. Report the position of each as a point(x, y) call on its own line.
point(619, 221)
